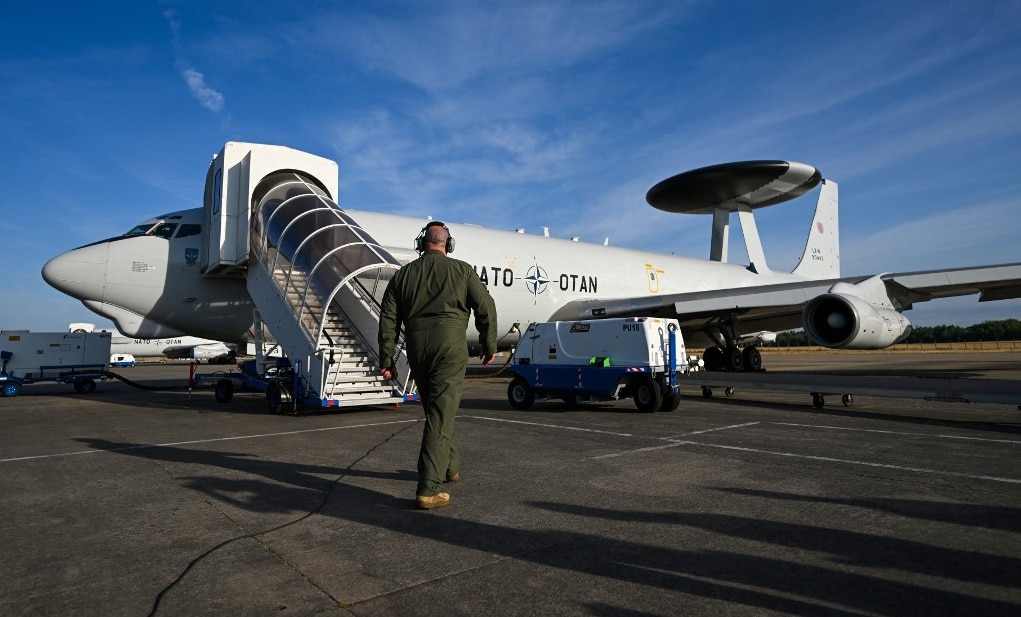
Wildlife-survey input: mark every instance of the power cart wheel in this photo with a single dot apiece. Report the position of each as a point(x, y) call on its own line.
point(11, 388)
point(671, 400)
point(224, 391)
point(648, 396)
point(519, 394)
point(85, 386)
point(278, 396)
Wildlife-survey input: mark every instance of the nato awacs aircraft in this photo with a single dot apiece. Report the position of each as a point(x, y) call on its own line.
point(271, 244)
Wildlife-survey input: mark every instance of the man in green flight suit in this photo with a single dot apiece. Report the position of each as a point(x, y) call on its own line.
point(432, 297)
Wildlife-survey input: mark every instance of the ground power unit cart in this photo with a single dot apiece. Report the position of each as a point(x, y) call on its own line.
point(598, 360)
point(77, 358)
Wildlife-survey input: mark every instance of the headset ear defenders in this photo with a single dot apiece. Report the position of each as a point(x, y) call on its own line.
point(420, 240)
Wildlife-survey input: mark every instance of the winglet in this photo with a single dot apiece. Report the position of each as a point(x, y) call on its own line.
point(821, 259)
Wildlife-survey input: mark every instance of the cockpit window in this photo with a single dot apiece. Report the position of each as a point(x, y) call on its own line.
point(189, 229)
point(165, 230)
point(140, 230)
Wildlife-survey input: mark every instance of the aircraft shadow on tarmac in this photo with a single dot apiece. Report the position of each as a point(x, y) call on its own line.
point(846, 547)
point(969, 515)
point(775, 580)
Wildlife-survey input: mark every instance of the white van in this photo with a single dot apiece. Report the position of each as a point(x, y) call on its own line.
point(122, 359)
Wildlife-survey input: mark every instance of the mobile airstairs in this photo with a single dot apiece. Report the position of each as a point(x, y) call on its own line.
point(315, 277)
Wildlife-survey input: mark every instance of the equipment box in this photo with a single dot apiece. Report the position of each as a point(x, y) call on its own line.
point(601, 359)
point(630, 341)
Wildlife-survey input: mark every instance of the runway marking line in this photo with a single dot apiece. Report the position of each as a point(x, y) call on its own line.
point(956, 474)
point(675, 444)
point(872, 430)
point(566, 428)
point(713, 430)
point(828, 459)
point(197, 441)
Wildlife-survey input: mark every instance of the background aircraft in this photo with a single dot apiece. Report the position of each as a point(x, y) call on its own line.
point(161, 278)
point(175, 348)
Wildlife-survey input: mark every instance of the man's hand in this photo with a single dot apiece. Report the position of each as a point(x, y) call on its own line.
point(487, 358)
point(389, 373)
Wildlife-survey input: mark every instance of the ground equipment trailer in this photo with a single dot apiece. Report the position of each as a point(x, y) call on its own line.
point(77, 358)
point(597, 360)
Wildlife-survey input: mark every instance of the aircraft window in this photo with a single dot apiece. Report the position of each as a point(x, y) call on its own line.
point(189, 229)
point(140, 230)
point(165, 230)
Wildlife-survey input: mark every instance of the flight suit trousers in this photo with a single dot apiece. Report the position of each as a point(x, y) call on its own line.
point(438, 358)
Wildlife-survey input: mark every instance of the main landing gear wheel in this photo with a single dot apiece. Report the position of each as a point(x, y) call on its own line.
point(733, 360)
point(648, 396)
point(713, 358)
point(224, 391)
point(519, 394)
point(752, 358)
point(818, 401)
point(847, 399)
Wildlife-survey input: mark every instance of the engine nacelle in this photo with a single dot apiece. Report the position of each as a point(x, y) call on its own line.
point(845, 321)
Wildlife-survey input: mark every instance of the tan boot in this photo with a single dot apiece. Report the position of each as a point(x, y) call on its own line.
point(433, 501)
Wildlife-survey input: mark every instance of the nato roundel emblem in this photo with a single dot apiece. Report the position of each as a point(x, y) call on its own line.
point(191, 256)
point(818, 226)
point(536, 280)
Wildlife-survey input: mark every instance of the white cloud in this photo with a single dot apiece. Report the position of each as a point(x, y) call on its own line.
point(454, 44)
point(206, 96)
point(196, 81)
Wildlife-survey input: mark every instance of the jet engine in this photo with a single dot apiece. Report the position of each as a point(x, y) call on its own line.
point(842, 320)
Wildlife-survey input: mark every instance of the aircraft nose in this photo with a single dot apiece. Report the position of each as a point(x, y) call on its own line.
point(80, 273)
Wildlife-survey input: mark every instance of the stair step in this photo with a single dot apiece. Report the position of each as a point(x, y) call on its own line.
point(353, 378)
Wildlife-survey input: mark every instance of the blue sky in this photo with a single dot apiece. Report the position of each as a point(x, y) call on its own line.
point(522, 114)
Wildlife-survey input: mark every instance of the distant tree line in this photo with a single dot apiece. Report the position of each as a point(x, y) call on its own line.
point(1003, 330)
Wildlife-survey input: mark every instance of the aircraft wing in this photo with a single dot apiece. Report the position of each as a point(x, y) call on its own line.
point(779, 306)
point(765, 307)
point(990, 282)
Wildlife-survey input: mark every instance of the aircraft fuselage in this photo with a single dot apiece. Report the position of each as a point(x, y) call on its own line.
point(152, 286)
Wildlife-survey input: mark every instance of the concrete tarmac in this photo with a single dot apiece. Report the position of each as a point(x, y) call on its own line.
point(134, 502)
